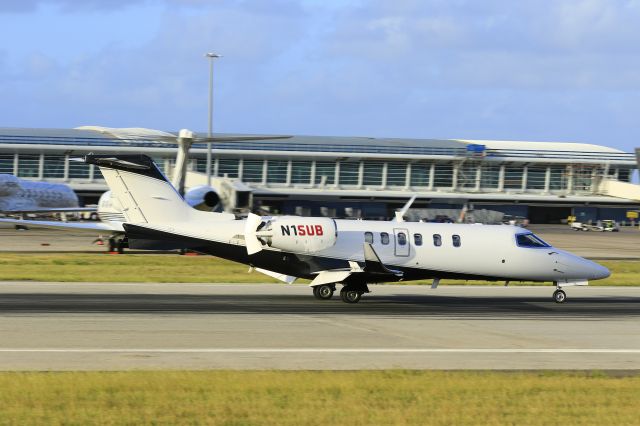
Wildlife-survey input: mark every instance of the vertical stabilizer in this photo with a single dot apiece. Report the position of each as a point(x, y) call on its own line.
point(142, 192)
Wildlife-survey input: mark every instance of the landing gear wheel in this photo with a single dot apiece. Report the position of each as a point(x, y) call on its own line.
point(349, 295)
point(323, 292)
point(559, 296)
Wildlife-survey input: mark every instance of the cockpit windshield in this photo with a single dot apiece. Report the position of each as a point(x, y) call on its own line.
point(530, 240)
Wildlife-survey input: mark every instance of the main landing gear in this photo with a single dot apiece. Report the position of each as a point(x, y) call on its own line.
point(324, 291)
point(349, 293)
point(118, 245)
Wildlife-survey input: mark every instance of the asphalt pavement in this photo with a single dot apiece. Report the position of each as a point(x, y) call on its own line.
point(105, 326)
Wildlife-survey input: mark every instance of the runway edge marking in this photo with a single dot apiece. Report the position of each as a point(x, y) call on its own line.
point(325, 350)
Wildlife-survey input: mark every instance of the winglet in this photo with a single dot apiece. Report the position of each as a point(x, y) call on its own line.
point(400, 213)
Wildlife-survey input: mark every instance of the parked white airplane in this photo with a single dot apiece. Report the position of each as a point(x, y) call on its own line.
point(25, 196)
point(330, 252)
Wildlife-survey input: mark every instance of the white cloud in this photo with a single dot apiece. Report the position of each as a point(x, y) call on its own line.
point(543, 69)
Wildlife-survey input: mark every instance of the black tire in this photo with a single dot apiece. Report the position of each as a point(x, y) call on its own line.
point(112, 245)
point(349, 295)
point(121, 245)
point(559, 296)
point(323, 292)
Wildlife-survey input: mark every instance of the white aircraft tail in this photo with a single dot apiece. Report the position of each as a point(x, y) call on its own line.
point(143, 193)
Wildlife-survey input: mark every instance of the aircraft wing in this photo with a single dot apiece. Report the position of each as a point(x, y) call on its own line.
point(88, 227)
point(373, 269)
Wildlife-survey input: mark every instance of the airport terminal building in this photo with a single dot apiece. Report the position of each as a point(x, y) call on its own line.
point(359, 177)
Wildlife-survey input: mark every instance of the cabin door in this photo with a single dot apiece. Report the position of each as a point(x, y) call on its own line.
point(401, 241)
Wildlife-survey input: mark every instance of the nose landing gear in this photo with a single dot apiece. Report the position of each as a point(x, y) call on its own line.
point(559, 296)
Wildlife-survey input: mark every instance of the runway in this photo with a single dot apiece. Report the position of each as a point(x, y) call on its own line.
point(89, 326)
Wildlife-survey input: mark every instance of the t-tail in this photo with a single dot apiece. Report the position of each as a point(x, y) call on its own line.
point(143, 193)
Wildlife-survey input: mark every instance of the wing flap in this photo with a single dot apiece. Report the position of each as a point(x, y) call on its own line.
point(281, 277)
point(331, 276)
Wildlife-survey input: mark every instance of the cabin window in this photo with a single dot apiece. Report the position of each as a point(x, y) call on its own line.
point(402, 239)
point(384, 238)
point(417, 239)
point(368, 237)
point(530, 240)
point(456, 240)
point(437, 240)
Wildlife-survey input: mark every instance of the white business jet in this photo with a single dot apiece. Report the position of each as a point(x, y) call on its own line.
point(330, 252)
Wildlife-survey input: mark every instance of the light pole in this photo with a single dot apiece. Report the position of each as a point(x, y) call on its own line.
point(212, 57)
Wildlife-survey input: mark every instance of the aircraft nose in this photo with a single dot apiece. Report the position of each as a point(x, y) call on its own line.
point(593, 270)
point(581, 268)
point(599, 272)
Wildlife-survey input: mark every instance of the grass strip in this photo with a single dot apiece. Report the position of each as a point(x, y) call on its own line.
point(318, 398)
point(103, 267)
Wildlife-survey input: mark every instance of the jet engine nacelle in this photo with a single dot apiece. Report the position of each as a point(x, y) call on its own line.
point(295, 234)
point(203, 197)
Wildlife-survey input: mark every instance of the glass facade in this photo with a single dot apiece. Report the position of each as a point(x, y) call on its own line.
point(467, 175)
point(325, 171)
point(582, 177)
point(252, 170)
point(513, 177)
point(6, 164)
point(443, 176)
point(557, 178)
point(228, 167)
point(372, 173)
point(420, 174)
point(78, 170)
point(471, 174)
point(29, 165)
point(349, 173)
point(277, 171)
point(624, 175)
point(54, 167)
point(396, 174)
point(201, 165)
point(536, 177)
point(489, 177)
point(301, 172)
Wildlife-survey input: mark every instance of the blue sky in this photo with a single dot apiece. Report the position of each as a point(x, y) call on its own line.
point(548, 70)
